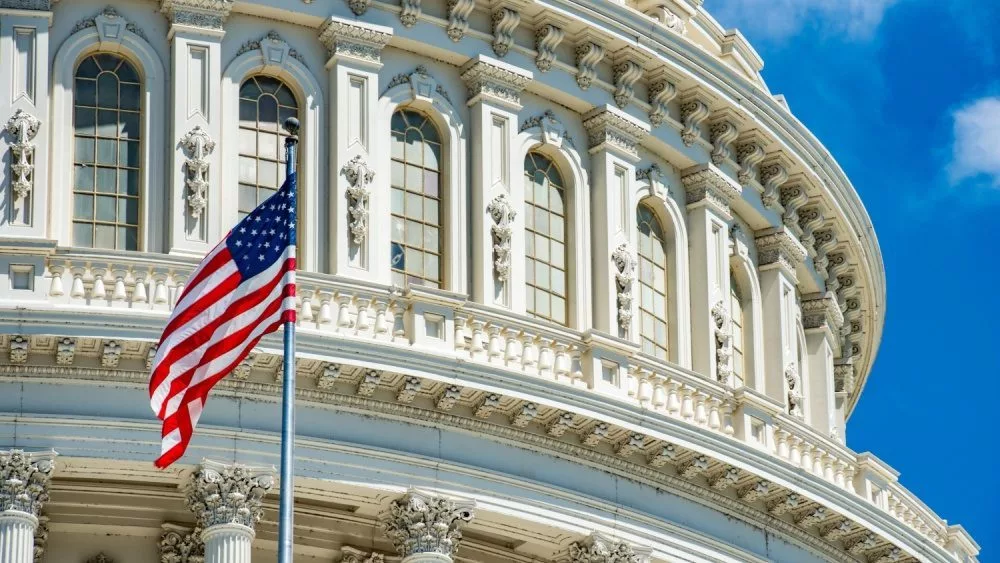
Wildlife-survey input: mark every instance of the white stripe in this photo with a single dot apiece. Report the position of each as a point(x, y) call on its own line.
point(191, 292)
point(170, 440)
point(194, 358)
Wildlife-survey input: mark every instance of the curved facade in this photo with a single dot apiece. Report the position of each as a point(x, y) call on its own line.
point(574, 286)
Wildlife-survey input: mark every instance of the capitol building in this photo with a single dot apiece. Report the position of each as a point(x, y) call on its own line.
point(574, 287)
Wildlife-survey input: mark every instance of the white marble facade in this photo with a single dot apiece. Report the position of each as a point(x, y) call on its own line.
point(577, 296)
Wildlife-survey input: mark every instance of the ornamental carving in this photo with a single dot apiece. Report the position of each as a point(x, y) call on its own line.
point(778, 246)
point(588, 56)
point(23, 127)
point(693, 112)
point(668, 19)
point(625, 264)
point(711, 185)
point(458, 18)
point(345, 39)
point(614, 128)
point(424, 523)
point(598, 548)
point(627, 73)
point(794, 382)
point(772, 176)
point(198, 146)
point(272, 47)
point(505, 21)
point(43, 5)
point(553, 130)
point(723, 343)
point(181, 545)
point(748, 155)
point(660, 94)
point(359, 175)
point(722, 134)
point(792, 199)
point(18, 353)
point(352, 555)
point(409, 12)
point(359, 7)
point(228, 494)
point(41, 537)
point(100, 558)
point(24, 480)
point(108, 24)
point(209, 14)
point(502, 214)
point(547, 39)
point(502, 84)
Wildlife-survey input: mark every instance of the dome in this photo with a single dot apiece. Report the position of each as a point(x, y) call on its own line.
point(572, 285)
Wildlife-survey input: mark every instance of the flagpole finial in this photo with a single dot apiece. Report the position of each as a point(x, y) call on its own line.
point(292, 126)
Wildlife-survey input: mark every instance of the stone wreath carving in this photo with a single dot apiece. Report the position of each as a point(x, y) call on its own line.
point(794, 381)
point(23, 127)
point(359, 175)
point(198, 146)
point(625, 265)
point(503, 216)
point(723, 343)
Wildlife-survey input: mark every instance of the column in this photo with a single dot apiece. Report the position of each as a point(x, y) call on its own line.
point(778, 255)
point(198, 217)
point(497, 245)
point(821, 320)
point(426, 528)
point(709, 193)
point(180, 544)
point(227, 502)
point(613, 138)
point(23, 491)
point(24, 117)
point(360, 234)
point(599, 548)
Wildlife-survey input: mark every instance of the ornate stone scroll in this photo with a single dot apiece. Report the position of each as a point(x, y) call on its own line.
point(588, 55)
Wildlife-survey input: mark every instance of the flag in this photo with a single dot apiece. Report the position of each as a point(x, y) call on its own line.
point(242, 290)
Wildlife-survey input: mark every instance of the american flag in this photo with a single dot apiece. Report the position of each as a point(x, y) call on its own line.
point(242, 290)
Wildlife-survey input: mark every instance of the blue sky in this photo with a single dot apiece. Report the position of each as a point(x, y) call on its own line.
point(906, 95)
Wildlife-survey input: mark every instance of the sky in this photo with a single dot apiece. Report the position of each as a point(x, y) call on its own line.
point(906, 96)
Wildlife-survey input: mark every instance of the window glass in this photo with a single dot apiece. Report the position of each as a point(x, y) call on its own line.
point(652, 284)
point(736, 310)
point(545, 239)
point(265, 104)
point(107, 117)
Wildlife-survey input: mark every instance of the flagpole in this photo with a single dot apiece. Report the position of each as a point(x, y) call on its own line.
point(286, 504)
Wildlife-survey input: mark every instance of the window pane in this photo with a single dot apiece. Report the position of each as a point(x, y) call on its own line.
point(86, 92)
point(130, 96)
point(104, 236)
point(107, 151)
point(83, 234)
point(106, 209)
point(83, 206)
point(83, 178)
point(84, 150)
point(267, 108)
point(653, 283)
point(107, 90)
point(106, 180)
point(129, 123)
point(84, 120)
point(128, 154)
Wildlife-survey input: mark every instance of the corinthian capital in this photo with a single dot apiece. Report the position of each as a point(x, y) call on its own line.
point(181, 545)
point(228, 494)
point(360, 42)
point(495, 81)
point(420, 522)
point(598, 548)
point(209, 14)
point(24, 480)
point(611, 128)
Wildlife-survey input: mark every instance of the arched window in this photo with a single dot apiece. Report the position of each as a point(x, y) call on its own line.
point(265, 104)
point(652, 284)
point(416, 200)
point(738, 334)
point(545, 239)
point(107, 117)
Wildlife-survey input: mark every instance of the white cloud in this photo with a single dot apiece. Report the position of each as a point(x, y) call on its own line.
point(976, 152)
point(779, 19)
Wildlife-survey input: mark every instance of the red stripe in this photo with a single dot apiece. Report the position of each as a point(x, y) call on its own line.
point(207, 268)
point(203, 302)
point(185, 347)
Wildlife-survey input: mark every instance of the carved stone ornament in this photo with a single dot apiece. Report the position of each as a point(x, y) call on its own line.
point(18, 353)
point(359, 7)
point(598, 548)
point(100, 558)
point(779, 246)
point(627, 73)
point(723, 343)
point(209, 14)
point(458, 18)
point(693, 112)
point(272, 47)
point(409, 12)
point(24, 480)
point(588, 56)
point(661, 91)
point(359, 175)
point(353, 555)
point(722, 134)
point(500, 83)
point(821, 311)
point(422, 84)
point(41, 538)
point(794, 381)
point(748, 155)
point(553, 130)
point(421, 522)
point(198, 146)
point(505, 21)
point(502, 214)
point(668, 19)
point(228, 494)
point(23, 127)
point(362, 42)
point(625, 263)
point(709, 184)
point(181, 545)
point(547, 39)
point(43, 5)
point(109, 25)
point(608, 126)
point(772, 176)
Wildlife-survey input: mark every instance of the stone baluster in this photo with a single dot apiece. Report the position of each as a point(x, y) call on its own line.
point(344, 311)
point(227, 501)
point(562, 364)
point(460, 323)
point(545, 356)
point(478, 344)
point(24, 488)
point(659, 396)
point(529, 351)
point(807, 453)
point(714, 420)
point(426, 528)
point(77, 290)
point(381, 326)
point(645, 394)
point(306, 313)
point(794, 452)
point(727, 419)
point(364, 314)
point(512, 353)
point(673, 400)
point(781, 443)
point(496, 343)
point(687, 403)
point(700, 410)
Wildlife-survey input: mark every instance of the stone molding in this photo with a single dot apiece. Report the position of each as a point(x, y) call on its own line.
point(422, 522)
point(353, 555)
point(821, 311)
point(208, 14)
point(779, 246)
point(496, 81)
point(272, 48)
point(708, 184)
point(355, 40)
point(611, 128)
point(108, 24)
point(599, 548)
point(24, 480)
point(220, 494)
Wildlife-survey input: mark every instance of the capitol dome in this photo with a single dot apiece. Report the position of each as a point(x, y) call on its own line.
point(574, 287)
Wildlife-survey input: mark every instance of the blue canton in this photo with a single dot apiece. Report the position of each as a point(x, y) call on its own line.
point(258, 241)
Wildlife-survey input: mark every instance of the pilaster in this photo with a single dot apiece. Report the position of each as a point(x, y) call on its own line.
point(613, 139)
point(494, 89)
point(709, 193)
point(227, 501)
point(24, 482)
point(24, 118)
point(195, 170)
point(426, 528)
point(359, 249)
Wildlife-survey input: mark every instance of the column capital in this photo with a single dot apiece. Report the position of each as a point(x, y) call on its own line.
point(779, 247)
point(354, 40)
point(609, 128)
point(490, 79)
point(705, 184)
point(353, 555)
point(599, 548)
point(221, 494)
point(202, 14)
point(821, 311)
point(180, 544)
point(24, 480)
point(421, 522)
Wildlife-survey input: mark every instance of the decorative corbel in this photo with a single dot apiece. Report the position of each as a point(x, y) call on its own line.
point(773, 174)
point(661, 90)
point(793, 197)
point(628, 70)
point(548, 36)
point(359, 7)
point(505, 22)
point(722, 132)
point(198, 146)
point(502, 215)
point(23, 127)
point(409, 12)
point(749, 153)
point(359, 175)
point(625, 263)
point(458, 18)
point(693, 112)
point(588, 55)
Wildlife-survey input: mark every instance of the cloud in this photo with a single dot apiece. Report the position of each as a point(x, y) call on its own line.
point(976, 150)
point(781, 19)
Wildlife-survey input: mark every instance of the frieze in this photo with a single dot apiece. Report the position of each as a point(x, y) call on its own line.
point(209, 14)
point(779, 246)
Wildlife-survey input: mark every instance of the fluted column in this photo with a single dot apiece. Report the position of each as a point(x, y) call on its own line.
point(227, 501)
point(24, 484)
point(426, 528)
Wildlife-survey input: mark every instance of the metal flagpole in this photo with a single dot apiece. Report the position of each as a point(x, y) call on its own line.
point(286, 504)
